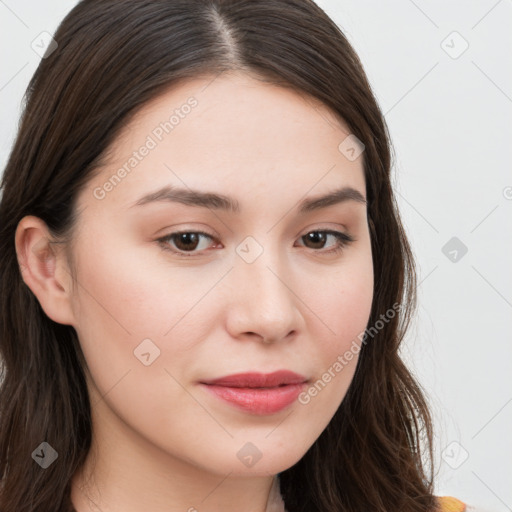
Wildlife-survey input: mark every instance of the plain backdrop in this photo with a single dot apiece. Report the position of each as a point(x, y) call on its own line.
point(442, 74)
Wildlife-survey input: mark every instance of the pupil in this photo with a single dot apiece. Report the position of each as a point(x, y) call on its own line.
point(317, 237)
point(186, 239)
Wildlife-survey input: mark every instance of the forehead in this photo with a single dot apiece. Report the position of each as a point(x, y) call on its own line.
point(231, 133)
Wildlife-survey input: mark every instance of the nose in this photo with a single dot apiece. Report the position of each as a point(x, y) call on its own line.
point(263, 303)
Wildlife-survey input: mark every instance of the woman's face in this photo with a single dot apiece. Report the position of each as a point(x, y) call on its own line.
point(258, 287)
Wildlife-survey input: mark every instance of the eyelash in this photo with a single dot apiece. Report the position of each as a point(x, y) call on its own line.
point(343, 240)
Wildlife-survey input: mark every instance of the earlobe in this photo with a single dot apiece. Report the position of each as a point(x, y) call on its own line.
point(44, 269)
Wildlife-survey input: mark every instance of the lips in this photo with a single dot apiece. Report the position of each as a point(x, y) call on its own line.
point(258, 393)
point(258, 380)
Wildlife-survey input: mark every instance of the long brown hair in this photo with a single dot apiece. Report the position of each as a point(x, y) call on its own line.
point(112, 57)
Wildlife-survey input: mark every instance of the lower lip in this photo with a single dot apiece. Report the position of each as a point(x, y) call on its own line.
point(258, 401)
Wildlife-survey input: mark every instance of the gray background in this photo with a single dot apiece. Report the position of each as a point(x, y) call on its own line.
point(449, 110)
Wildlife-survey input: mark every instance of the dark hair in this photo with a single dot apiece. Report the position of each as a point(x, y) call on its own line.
point(112, 57)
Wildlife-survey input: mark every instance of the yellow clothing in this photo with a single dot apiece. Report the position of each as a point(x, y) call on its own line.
point(449, 504)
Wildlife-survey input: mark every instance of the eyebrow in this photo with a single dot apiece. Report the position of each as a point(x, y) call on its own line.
point(216, 201)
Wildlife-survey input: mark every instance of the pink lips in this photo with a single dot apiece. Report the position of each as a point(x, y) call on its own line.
point(258, 393)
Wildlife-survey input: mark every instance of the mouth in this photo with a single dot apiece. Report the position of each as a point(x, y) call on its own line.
point(258, 380)
point(258, 393)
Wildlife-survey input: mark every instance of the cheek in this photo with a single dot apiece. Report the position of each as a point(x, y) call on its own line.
point(125, 293)
point(135, 331)
point(345, 300)
point(127, 308)
point(344, 306)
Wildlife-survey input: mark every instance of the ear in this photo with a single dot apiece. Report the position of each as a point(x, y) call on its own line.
point(44, 269)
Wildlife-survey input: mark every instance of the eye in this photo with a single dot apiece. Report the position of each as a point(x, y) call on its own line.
point(319, 237)
point(186, 241)
point(189, 241)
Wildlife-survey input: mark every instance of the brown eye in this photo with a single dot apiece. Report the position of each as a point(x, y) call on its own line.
point(188, 243)
point(184, 242)
point(317, 240)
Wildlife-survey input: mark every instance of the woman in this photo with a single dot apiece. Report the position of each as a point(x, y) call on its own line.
point(204, 276)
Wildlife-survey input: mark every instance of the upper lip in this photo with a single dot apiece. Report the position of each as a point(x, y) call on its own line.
point(258, 380)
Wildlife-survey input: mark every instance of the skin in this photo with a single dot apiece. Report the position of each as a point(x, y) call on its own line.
point(160, 441)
